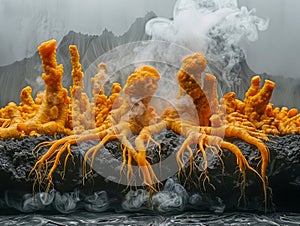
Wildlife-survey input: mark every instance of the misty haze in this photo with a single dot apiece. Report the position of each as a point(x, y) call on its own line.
point(25, 24)
point(266, 37)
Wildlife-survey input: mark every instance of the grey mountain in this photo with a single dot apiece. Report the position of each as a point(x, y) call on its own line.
point(28, 71)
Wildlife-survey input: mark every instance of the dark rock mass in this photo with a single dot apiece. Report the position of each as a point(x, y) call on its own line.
point(224, 194)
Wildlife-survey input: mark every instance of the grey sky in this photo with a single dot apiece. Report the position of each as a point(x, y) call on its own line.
point(24, 24)
point(277, 50)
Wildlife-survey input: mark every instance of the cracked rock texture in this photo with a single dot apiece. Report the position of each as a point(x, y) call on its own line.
point(17, 160)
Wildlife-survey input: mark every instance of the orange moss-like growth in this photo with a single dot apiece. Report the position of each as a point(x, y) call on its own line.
point(51, 116)
point(134, 115)
point(104, 104)
point(82, 115)
point(108, 117)
point(28, 107)
point(130, 117)
point(205, 136)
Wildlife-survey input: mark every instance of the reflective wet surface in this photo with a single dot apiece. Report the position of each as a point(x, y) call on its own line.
point(188, 218)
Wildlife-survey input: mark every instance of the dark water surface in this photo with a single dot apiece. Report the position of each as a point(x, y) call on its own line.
point(187, 218)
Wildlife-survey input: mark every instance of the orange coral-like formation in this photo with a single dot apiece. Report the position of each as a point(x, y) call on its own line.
point(51, 116)
point(111, 123)
point(110, 117)
point(82, 117)
point(202, 133)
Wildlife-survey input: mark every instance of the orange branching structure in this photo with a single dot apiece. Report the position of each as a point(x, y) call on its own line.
point(51, 116)
point(28, 107)
point(82, 117)
point(206, 121)
point(12, 114)
point(202, 133)
point(104, 104)
point(129, 117)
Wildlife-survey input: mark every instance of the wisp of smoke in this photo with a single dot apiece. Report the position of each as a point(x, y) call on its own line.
point(172, 198)
point(215, 28)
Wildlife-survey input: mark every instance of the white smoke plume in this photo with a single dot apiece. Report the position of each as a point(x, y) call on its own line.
point(214, 27)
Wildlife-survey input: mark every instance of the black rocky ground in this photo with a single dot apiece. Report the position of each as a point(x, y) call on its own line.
point(17, 160)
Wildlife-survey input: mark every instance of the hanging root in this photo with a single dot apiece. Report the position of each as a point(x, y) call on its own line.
point(180, 156)
point(214, 139)
point(90, 155)
point(201, 149)
point(149, 176)
point(243, 165)
point(145, 136)
point(201, 141)
point(128, 155)
point(51, 159)
point(263, 149)
point(233, 131)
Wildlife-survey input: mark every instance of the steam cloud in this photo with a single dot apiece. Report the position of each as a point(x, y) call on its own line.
point(172, 198)
point(64, 203)
point(214, 27)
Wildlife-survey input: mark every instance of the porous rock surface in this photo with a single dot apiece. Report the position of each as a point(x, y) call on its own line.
point(17, 159)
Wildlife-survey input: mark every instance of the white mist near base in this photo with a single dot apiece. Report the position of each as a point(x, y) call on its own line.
point(173, 198)
point(215, 28)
